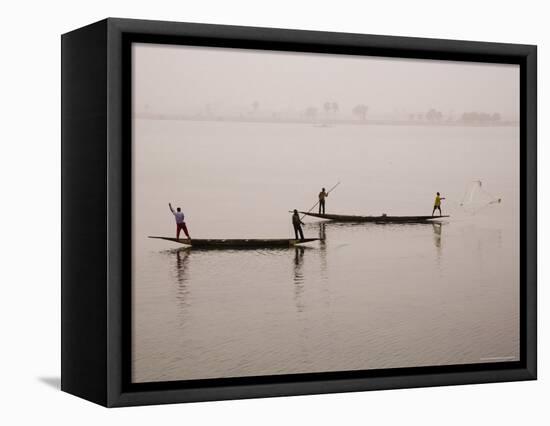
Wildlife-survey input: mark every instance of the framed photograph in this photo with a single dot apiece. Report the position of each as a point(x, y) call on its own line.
point(254, 212)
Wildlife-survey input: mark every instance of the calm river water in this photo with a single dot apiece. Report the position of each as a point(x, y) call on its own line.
point(370, 296)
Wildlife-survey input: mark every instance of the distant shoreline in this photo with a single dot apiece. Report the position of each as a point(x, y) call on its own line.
point(325, 123)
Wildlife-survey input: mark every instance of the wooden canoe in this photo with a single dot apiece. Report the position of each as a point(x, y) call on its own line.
point(374, 219)
point(238, 243)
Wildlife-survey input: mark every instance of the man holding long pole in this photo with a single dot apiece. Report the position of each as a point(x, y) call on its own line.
point(325, 194)
point(297, 223)
point(321, 202)
point(322, 196)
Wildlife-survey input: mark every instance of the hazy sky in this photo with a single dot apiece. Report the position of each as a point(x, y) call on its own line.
point(179, 79)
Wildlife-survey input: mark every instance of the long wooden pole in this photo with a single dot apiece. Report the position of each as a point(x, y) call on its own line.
point(315, 205)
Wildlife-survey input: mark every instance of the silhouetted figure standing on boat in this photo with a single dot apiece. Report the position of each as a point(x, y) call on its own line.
point(297, 223)
point(322, 195)
point(437, 204)
point(180, 221)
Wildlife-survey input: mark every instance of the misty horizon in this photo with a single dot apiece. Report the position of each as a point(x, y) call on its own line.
point(228, 82)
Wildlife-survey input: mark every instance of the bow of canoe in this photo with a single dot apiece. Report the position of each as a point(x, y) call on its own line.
point(238, 243)
point(374, 219)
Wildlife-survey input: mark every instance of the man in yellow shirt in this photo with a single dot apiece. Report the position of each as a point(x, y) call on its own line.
point(437, 204)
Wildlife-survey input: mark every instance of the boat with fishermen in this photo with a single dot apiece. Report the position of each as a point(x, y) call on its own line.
point(248, 243)
point(374, 219)
point(263, 243)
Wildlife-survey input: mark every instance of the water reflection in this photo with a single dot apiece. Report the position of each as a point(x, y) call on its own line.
point(299, 302)
point(298, 263)
point(323, 249)
point(299, 278)
point(323, 232)
point(323, 264)
point(181, 271)
point(437, 229)
point(389, 304)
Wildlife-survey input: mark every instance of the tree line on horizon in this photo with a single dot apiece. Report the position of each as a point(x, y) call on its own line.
point(330, 110)
point(435, 116)
point(432, 115)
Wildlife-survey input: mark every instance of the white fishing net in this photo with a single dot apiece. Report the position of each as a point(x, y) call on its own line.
point(477, 198)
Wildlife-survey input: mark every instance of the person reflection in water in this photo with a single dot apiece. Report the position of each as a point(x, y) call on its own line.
point(322, 232)
point(437, 227)
point(298, 261)
point(297, 223)
point(299, 278)
point(180, 221)
point(182, 257)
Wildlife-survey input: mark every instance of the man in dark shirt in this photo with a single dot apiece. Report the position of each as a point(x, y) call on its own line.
point(297, 223)
point(322, 195)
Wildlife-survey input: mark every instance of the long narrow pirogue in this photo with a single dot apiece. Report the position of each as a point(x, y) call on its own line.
point(238, 243)
point(375, 219)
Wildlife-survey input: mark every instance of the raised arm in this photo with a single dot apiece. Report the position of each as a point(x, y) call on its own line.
point(171, 209)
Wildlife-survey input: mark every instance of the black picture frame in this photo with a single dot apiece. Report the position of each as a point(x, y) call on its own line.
point(96, 148)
